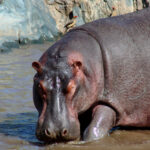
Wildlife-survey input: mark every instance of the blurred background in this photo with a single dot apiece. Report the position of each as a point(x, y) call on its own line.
point(26, 21)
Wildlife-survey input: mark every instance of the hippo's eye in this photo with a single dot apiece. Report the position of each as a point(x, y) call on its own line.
point(71, 89)
point(71, 86)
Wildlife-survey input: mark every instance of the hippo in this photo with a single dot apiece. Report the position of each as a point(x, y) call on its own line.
point(96, 77)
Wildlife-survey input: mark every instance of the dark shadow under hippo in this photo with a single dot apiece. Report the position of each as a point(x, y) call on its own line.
point(95, 78)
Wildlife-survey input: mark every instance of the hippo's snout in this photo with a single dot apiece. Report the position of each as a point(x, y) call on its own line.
point(53, 133)
point(58, 121)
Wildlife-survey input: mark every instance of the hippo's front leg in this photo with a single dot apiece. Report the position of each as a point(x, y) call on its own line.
point(103, 119)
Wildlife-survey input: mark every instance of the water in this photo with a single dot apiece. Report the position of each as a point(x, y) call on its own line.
point(18, 115)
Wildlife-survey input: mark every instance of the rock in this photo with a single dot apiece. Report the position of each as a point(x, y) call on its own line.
point(24, 21)
point(89, 10)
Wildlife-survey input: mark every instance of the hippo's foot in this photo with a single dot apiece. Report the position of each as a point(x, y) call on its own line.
point(103, 119)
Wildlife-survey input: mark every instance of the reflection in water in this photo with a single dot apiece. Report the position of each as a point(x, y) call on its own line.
point(18, 115)
point(20, 125)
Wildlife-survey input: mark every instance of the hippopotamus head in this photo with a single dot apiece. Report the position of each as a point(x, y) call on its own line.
point(62, 90)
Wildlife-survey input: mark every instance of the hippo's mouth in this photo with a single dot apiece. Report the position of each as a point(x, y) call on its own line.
point(41, 136)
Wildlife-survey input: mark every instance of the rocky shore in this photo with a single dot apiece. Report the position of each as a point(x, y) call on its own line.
point(32, 21)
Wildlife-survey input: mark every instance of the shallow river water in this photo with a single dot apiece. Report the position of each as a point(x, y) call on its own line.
point(18, 116)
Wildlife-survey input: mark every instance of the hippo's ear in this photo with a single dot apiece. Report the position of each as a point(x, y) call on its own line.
point(77, 68)
point(37, 66)
point(77, 65)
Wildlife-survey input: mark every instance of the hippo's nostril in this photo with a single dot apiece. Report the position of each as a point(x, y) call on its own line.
point(47, 133)
point(64, 132)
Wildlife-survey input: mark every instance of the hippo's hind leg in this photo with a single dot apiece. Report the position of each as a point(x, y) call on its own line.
point(103, 119)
